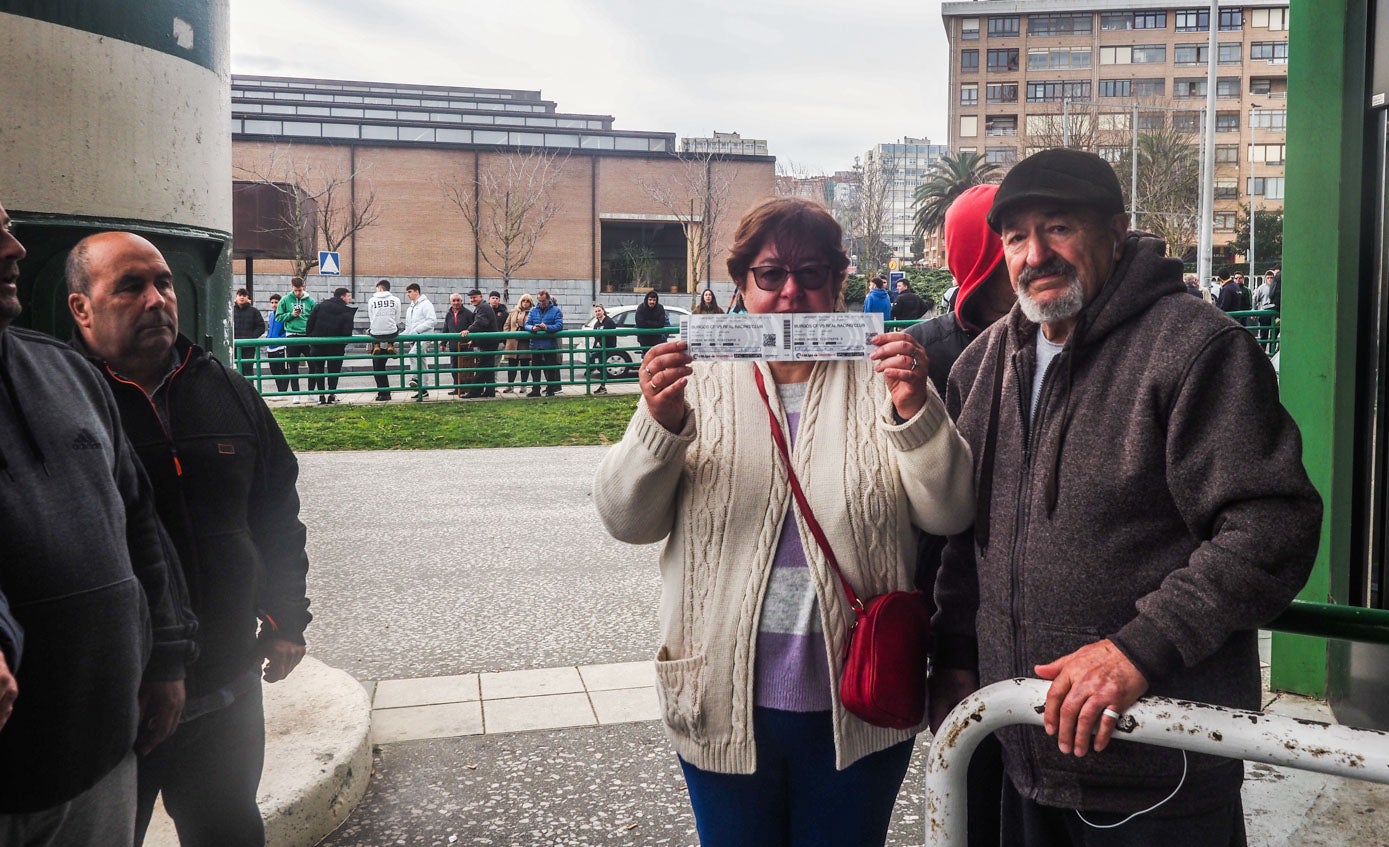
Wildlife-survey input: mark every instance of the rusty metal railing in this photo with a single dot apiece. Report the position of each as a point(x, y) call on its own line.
point(1254, 736)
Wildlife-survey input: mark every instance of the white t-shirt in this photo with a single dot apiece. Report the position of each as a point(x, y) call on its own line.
point(1046, 351)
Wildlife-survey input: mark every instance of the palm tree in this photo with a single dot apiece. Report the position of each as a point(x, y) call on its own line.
point(947, 179)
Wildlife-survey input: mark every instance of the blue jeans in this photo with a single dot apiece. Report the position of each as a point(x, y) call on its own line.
point(796, 798)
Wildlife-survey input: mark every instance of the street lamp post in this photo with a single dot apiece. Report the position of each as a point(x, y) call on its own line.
point(1253, 185)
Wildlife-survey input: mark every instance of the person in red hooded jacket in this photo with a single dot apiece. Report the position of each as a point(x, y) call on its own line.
point(974, 253)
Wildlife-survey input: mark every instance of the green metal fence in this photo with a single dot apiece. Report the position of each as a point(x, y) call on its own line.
point(430, 362)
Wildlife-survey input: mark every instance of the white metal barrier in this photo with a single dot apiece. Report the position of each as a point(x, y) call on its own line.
point(1201, 728)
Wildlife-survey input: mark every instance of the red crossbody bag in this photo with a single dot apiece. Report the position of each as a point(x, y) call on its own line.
point(884, 679)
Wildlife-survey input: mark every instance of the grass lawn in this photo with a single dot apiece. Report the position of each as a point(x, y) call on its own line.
point(549, 422)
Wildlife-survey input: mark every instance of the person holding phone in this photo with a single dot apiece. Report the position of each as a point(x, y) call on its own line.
point(293, 312)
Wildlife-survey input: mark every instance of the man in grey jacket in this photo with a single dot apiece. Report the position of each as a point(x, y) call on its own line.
point(87, 588)
point(1140, 515)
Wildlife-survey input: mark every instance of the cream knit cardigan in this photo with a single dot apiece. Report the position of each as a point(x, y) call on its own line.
point(717, 492)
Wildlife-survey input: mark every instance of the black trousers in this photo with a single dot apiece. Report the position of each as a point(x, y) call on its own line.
point(278, 368)
point(1029, 824)
point(208, 771)
point(292, 353)
point(483, 383)
point(549, 362)
point(381, 353)
point(317, 382)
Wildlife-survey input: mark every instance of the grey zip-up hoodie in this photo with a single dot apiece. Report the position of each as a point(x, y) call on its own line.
point(85, 571)
point(1157, 499)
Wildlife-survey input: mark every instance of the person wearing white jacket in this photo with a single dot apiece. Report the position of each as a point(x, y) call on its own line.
point(419, 319)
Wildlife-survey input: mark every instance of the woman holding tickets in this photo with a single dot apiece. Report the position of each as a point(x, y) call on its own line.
point(753, 621)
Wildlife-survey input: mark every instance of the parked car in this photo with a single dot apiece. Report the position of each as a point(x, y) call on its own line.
point(623, 363)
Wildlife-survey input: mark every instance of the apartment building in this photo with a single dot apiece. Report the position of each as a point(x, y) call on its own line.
point(1025, 75)
point(901, 166)
point(617, 193)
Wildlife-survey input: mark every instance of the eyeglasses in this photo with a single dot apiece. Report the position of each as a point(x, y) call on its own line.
point(809, 277)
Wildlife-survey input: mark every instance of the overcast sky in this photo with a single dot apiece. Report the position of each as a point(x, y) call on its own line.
point(821, 80)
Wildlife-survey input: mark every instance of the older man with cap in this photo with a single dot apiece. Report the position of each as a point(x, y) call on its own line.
point(224, 485)
point(1121, 547)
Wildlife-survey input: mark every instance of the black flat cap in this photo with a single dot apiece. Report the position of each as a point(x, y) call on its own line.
point(1061, 176)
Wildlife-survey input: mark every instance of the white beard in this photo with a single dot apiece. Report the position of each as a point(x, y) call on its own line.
point(1061, 308)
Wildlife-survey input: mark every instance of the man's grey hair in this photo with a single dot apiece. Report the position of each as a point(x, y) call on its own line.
point(78, 269)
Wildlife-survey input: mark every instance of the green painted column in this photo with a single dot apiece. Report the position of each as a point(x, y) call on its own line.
point(1322, 267)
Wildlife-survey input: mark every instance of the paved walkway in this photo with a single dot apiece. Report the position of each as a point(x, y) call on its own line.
point(512, 701)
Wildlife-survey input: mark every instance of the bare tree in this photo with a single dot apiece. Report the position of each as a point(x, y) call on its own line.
point(320, 205)
point(794, 179)
point(507, 204)
point(697, 197)
point(866, 218)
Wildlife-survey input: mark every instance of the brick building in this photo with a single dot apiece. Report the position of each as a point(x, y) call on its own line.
point(622, 199)
point(1021, 70)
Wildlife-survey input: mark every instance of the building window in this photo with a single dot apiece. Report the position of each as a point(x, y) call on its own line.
point(1002, 92)
point(1003, 26)
point(1186, 121)
point(1150, 54)
point(1229, 54)
point(1226, 121)
point(1001, 125)
point(969, 125)
point(1273, 19)
point(1231, 20)
point(1055, 92)
point(1189, 87)
point(1001, 155)
point(969, 95)
point(1227, 154)
point(1270, 187)
point(1112, 153)
point(1116, 88)
point(1226, 188)
point(1070, 23)
point(1193, 20)
point(1275, 119)
point(1224, 222)
point(969, 29)
point(1269, 86)
point(1269, 154)
point(1227, 86)
point(1269, 51)
point(1149, 87)
point(969, 61)
point(1133, 20)
point(1005, 60)
point(1190, 54)
point(1151, 120)
point(1116, 55)
point(1062, 58)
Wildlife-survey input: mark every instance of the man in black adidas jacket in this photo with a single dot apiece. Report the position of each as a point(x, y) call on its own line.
point(224, 482)
point(92, 639)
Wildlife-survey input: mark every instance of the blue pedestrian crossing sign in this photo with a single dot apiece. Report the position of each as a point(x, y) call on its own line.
point(328, 263)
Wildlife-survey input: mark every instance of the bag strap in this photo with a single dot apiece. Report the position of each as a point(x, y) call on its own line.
point(780, 438)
